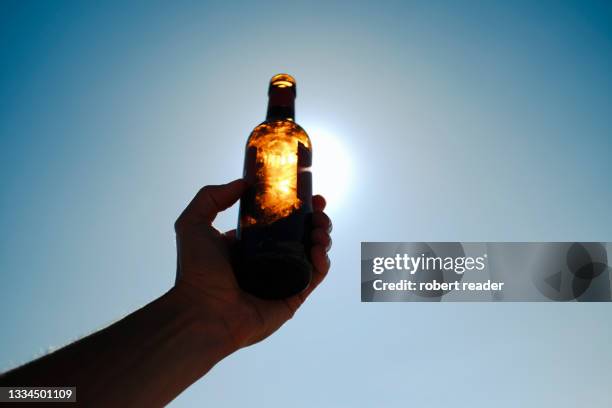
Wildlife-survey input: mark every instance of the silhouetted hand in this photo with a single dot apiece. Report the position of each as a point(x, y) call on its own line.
point(153, 354)
point(205, 278)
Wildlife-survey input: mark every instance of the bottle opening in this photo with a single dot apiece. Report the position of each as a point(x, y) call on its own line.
point(282, 81)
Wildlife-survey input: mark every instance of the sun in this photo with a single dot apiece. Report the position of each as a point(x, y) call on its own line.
point(331, 167)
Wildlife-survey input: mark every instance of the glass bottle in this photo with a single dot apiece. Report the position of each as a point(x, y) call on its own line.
point(273, 259)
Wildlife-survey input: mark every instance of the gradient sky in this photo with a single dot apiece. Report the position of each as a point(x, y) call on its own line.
point(461, 121)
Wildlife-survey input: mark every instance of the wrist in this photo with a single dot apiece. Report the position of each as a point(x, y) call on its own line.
point(209, 333)
point(237, 318)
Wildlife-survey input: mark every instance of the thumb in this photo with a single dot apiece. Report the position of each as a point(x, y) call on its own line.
point(209, 201)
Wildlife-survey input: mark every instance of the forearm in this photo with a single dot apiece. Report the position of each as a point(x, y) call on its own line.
point(145, 359)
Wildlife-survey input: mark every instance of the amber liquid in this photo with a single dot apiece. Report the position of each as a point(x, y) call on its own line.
point(274, 225)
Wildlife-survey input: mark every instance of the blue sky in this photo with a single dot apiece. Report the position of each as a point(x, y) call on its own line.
point(458, 121)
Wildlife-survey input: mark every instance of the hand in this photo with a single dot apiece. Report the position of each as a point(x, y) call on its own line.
point(205, 278)
point(153, 354)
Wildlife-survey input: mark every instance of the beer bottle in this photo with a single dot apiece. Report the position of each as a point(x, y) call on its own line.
point(273, 251)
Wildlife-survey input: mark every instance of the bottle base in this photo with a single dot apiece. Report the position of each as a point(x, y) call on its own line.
point(274, 276)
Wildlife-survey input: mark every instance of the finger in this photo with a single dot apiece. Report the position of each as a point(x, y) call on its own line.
point(321, 220)
point(321, 237)
point(321, 264)
point(209, 201)
point(318, 203)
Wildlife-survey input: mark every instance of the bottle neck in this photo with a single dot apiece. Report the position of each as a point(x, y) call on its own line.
point(281, 104)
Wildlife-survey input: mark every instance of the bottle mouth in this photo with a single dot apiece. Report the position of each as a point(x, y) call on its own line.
point(282, 81)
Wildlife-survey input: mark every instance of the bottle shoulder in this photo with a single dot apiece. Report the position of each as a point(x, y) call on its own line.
point(279, 130)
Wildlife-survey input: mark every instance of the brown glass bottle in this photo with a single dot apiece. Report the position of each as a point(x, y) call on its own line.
point(273, 259)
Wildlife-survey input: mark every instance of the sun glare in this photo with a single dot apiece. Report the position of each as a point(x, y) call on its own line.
point(331, 167)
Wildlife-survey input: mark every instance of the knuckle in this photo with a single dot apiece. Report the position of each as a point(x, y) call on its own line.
point(203, 195)
point(325, 218)
point(178, 225)
point(181, 223)
point(204, 192)
point(206, 189)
